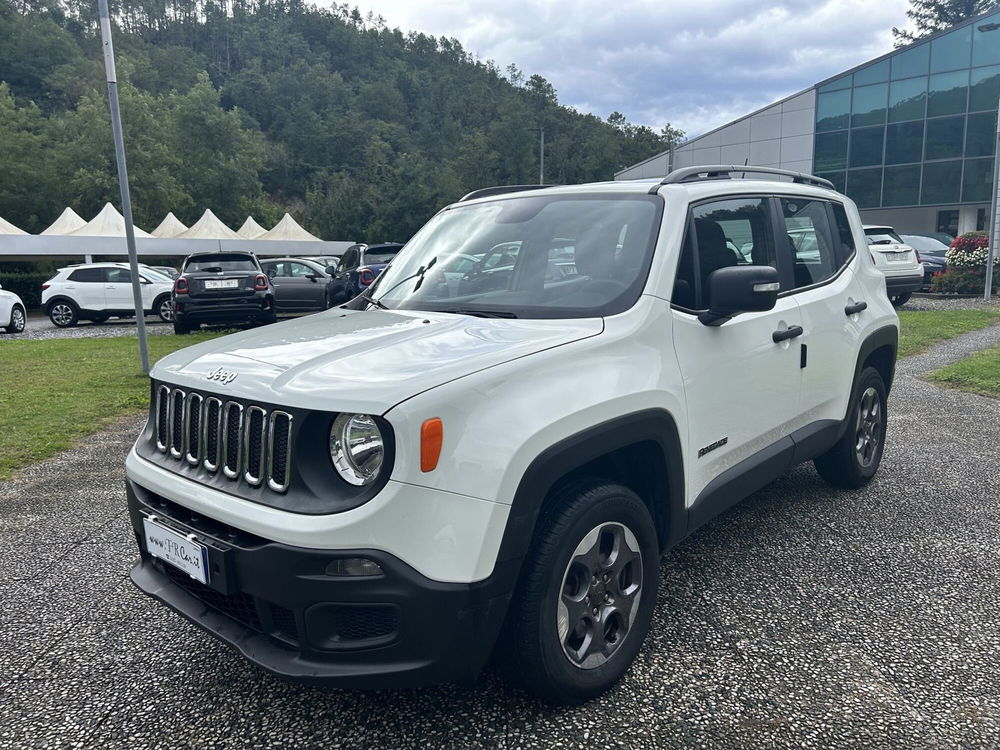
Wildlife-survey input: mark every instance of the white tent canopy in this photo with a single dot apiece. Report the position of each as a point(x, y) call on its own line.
point(208, 227)
point(251, 229)
point(68, 221)
point(171, 226)
point(288, 230)
point(7, 228)
point(108, 223)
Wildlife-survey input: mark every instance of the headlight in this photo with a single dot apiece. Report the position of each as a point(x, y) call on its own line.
point(356, 448)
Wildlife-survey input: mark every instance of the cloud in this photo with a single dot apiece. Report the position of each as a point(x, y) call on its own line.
point(695, 64)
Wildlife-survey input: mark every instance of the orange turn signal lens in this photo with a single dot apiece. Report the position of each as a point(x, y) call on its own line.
point(431, 437)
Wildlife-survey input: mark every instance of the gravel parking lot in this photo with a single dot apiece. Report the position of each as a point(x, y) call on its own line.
point(803, 618)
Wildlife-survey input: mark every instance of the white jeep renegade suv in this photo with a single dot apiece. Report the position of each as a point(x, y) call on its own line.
point(382, 494)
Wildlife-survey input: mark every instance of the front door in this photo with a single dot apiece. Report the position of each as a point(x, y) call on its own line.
point(118, 289)
point(741, 386)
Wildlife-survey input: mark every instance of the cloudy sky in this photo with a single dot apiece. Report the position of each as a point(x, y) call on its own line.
point(696, 64)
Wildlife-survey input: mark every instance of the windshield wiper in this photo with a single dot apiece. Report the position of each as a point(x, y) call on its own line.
point(366, 296)
point(418, 275)
point(484, 313)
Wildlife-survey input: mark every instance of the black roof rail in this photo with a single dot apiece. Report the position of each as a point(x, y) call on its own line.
point(725, 172)
point(500, 190)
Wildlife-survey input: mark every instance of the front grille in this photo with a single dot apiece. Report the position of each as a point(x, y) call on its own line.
point(239, 606)
point(249, 444)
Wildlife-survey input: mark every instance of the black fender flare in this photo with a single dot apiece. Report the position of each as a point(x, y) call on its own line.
point(652, 425)
point(61, 298)
point(885, 336)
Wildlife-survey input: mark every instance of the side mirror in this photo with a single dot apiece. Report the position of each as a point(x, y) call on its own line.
point(272, 272)
point(331, 270)
point(740, 289)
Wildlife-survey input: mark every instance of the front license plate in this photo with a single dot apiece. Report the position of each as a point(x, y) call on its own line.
point(179, 551)
point(222, 284)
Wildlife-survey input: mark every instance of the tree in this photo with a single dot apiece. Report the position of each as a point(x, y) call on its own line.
point(929, 16)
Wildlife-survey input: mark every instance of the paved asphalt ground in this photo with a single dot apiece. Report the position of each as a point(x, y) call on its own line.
point(804, 617)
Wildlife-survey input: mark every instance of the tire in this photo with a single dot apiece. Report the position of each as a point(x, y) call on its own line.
point(64, 314)
point(181, 328)
point(18, 320)
point(855, 458)
point(98, 319)
point(163, 306)
point(562, 582)
point(899, 300)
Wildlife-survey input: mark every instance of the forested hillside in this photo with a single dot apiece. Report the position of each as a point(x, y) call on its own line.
point(360, 130)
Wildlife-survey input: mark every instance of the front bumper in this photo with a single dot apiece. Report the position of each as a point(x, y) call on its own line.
point(904, 283)
point(258, 307)
point(274, 604)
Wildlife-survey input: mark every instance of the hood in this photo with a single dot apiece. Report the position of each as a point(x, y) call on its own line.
point(363, 361)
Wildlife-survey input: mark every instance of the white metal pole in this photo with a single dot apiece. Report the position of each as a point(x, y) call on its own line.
point(994, 215)
point(541, 157)
point(116, 128)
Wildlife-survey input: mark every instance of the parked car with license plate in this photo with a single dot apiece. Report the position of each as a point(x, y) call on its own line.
point(219, 288)
point(898, 262)
point(385, 494)
point(359, 266)
point(300, 285)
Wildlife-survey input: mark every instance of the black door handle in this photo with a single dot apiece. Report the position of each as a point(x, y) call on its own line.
point(788, 333)
point(856, 308)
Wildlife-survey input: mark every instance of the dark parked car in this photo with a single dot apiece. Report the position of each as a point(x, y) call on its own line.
point(359, 267)
point(932, 255)
point(223, 287)
point(299, 285)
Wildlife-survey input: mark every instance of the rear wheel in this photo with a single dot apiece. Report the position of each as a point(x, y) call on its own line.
point(64, 314)
point(164, 308)
point(855, 458)
point(585, 600)
point(181, 327)
point(17, 320)
point(898, 300)
point(100, 319)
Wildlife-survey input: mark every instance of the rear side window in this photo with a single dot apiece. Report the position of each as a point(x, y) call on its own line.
point(88, 275)
point(807, 225)
point(844, 234)
point(720, 234)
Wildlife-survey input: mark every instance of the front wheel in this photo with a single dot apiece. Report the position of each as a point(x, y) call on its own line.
point(854, 459)
point(898, 300)
point(585, 600)
point(164, 308)
point(17, 320)
point(181, 327)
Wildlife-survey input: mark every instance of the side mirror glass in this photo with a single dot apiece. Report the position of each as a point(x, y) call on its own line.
point(740, 289)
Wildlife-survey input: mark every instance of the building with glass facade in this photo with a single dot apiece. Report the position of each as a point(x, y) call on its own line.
point(909, 136)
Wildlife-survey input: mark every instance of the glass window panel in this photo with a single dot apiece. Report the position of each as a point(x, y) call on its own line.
point(907, 99)
point(947, 93)
point(981, 134)
point(984, 93)
point(833, 110)
point(807, 226)
point(986, 44)
point(951, 51)
point(872, 74)
point(831, 151)
point(837, 84)
point(901, 186)
point(839, 179)
point(864, 186)
point(944, 138)
point(904, 142)
point(977, 184)
point(869, 105)
point(866, 146)
point(912, 62)
point(942, 182)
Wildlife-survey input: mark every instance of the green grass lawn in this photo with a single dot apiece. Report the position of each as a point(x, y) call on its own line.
point(979, 373)
point(919, 329)
point(53, 392)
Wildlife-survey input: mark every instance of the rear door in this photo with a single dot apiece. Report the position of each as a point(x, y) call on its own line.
point(742, 387)
point(86, 287)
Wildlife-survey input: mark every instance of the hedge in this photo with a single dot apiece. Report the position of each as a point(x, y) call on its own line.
point(26, 284)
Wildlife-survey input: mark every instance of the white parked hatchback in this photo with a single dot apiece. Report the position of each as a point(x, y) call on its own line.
point(384, 494)
point(97, 291)
point(899, 262)
point(13, 316)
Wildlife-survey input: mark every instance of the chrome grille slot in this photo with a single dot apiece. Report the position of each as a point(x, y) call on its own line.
point(212, 433)
point(232, 426)
point(177, 423)
point(253, 445)
point(279, 438)
point(162, 418)
point(192, 427)
point(249, 443)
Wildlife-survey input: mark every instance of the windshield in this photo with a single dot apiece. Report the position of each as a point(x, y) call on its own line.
point(373, 257)
point(220, 262)
point(882, 237)
point(533, 257)
point(926, 245)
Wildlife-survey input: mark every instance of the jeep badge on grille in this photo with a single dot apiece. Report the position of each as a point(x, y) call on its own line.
point(222, 375)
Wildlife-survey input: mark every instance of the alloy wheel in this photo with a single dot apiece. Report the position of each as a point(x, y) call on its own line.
point(166, 311)
point(17, 320)
point(600, 595)
point(62, 314)
point(868, 427)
